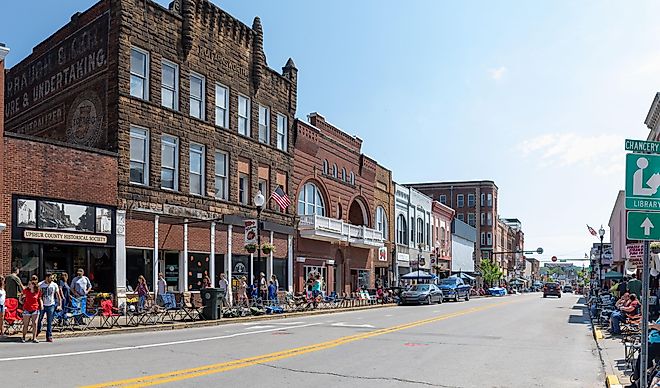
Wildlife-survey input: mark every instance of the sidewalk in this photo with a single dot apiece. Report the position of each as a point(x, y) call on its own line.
point(612, 354)
point(201, 323)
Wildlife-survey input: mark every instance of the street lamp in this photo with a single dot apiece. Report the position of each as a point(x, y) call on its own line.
point(419, 258)
point(601, 233)
point(259, 201)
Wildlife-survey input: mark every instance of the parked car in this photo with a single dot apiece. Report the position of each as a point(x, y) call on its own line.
point(454, 288)
point(421, 293)
point(568, 288)
point(551, 289)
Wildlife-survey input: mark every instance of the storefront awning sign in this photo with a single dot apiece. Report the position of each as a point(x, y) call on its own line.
point(63, 236)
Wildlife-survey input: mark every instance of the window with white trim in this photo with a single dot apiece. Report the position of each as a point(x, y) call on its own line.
point(443, 199)
point(221, 164)
point(483, 218)
point(412, 230)
point(471, 219)
point(169, 85)
point(343, 174)
point(334, 170)
point(282, 138)
point(490, 199)
point(196, 169)
point(461, 217)
point(139, 156)
point(139, 73)
point(221, 106)
point(489, 238)
point(483, 238)
point(197, 95)
point(325, 166)
point(243, 188)
point(310, 200)
point(381, 221)
point(420, 231)
point(471, 200)
point(352, 177)
point(482, 198)
point(262, 185)
point(169, 162)
point(401, 230)
point(490, 218)
point(264, 124)
point(460, 200)
point(243, 116)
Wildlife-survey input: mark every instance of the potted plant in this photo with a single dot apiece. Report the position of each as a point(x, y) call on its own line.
point(251, 248)
point(655, 247)
point(267, 248)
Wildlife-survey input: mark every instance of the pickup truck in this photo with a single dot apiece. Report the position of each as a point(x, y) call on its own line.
point(454, 288)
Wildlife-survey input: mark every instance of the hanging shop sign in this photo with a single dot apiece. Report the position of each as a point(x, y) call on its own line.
point(250, 232)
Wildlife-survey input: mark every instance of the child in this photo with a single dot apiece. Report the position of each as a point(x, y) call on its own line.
point(3, 294)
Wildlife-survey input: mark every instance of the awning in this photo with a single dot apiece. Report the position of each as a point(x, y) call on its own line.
point(613, 275)
point(418, 275)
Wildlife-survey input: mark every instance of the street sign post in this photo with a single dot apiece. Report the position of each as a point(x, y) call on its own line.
point(643, 146)
point(642, 182)
point(643, 225)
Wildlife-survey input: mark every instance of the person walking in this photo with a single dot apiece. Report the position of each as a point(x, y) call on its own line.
point(65, 290)
point(162, 289)
point(2, 305)
point(242, 292)
point(272, 293)
point(32, 304)
point(635, 286)
point(316, 289)
point(142, 292)
point(223, 286)
point(13, 284)
point(276, 282)
point(49, 292)
point(263, 286)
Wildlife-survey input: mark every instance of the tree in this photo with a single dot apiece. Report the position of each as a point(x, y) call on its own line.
point(490, 271)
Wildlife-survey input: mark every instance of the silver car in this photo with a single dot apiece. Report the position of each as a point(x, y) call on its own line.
point(421, 293)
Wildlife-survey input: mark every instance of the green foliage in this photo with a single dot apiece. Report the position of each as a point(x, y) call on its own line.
point(490, 271)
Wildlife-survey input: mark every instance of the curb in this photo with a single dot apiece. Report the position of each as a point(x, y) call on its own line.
point(611, 381)
point(208, 323)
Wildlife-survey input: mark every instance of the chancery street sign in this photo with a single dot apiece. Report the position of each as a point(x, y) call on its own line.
point(642, 182)
point(643, 146)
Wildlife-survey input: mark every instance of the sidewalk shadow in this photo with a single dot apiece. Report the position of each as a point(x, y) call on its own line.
point(10, 339)
point(583, 317)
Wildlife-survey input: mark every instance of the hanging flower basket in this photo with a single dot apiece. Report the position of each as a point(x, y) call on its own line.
point(655, 247)
point(267, 248)
point(251, 248)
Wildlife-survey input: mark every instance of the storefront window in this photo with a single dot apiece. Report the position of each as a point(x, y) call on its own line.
point(198, 267)
point(26, 258)
point(102, 269)
point(139, 262)
point(280, 270)
point(240, 267)
point(313, 270)
point(61, 216)
point(26, 210)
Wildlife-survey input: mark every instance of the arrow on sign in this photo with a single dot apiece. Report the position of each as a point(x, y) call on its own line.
point(647, 225)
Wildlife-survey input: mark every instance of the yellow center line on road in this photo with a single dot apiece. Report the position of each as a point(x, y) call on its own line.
point(185, 374)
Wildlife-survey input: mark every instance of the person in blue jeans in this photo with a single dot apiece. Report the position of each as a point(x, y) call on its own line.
point(142, 291)
point(50, 293)
point(625, 311)
point(272, 292)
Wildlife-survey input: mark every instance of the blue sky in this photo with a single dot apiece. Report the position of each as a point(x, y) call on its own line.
point(537, 96)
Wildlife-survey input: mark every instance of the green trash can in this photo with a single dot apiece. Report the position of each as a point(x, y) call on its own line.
point(212, 299)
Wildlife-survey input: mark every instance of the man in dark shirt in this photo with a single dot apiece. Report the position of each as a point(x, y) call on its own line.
point(623, 286)
point(635, 286)
point(13, 285)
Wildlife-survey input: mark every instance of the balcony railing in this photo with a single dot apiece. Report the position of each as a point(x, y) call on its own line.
point(330, 229)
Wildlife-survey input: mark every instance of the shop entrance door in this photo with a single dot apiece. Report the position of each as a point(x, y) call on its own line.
point(171, 270)
point(57, 260)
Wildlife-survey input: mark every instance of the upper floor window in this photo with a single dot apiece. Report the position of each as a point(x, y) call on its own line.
point(443, 199)
point(471, 202)
point(489, 238)
point(282, 126)
point(483, 238)
point(243, 188)
point(197, 87)
point(482, 198)
point(490, 218)
point(139, 156)
point(139, 73)
point(243, 116)
point(460, 200)
point(196, 169)
point(420, 230)
point(262, 185)
point(264, 124)
point(221, 163)
point(483, 218)
point(310, 201)
point(471, 219)
point(334, 170)
point(490, 199)
point(325, 166)
point(486, 255)
point(461, 217)
point(401, 230)
point(169, 88)
point(221, 106)
point(381, 221)
point(352, 177)
point(412, 230)
point(169, 165)
point(343, 174)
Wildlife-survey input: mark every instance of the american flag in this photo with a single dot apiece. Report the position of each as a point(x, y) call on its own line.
point(592, 231)
point(281, 198)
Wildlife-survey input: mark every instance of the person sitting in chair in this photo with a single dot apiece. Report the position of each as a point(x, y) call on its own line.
point(626, 311)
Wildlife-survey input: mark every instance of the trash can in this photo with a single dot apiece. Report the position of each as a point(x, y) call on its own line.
point(212, 299)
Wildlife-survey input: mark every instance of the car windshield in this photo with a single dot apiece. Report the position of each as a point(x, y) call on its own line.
point(420, 287)
point(449, 281)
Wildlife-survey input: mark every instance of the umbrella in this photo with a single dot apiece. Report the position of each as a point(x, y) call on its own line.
point(418, 275)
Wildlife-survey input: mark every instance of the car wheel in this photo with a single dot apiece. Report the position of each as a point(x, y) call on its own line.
point(558, 296)
point(545, 296)
point(441, 299)
point(428, 300)
point(467, 296)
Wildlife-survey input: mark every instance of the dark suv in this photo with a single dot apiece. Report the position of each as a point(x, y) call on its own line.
point(551, 289)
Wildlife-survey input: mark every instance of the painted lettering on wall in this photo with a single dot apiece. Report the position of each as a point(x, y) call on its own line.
point(214, 56)
point(42, 121)
point(73, 60)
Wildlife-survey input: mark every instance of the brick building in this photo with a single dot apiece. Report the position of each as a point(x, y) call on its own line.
point(336, 207)
point(384, 205)
point(183, 103)
point(475, 203)
point(442, 217)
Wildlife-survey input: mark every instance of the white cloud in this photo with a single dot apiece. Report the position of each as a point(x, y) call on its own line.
point(602, 154)
point(497, 74)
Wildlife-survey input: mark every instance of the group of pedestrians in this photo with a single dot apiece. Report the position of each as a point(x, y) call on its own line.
point(41, 298)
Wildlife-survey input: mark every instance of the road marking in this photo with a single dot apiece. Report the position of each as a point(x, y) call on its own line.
point(344, 324)
point(259, 327)
point(156, 345)
point(185, 374)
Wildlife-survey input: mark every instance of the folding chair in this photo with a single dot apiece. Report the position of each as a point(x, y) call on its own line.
point(13, 319)
point(77, 314)
point(171, 308)
point(108, 314)
point(191, 307)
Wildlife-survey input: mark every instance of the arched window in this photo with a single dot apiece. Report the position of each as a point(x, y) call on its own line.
point(420, 231)
point(343, 174)
point(352, 178)
point(401, 230)
point(310, 201)
point(334, 170)
point(325, 166)
point(381, 221)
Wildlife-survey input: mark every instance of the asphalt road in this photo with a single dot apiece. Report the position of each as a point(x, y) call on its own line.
point(515, 341)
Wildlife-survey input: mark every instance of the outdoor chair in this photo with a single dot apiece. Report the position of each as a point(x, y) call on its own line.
point(173, 310)
point(75, 315)
point(13, 319)
point(191, 306)
point(108, 314)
